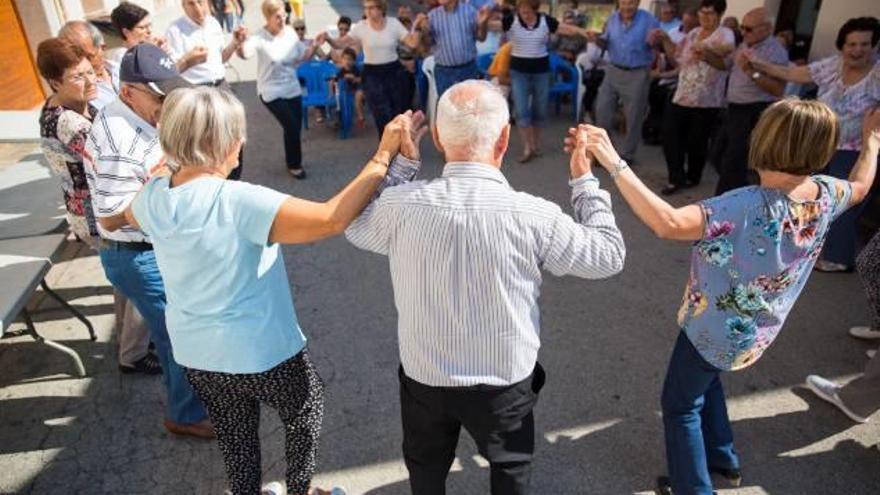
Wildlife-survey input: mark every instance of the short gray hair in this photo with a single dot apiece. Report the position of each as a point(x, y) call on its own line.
point(201, 126)
point(471, 115)
point(72, 29)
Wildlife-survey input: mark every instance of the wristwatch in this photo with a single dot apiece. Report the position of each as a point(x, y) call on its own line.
point(618, 168)
point(756, 75)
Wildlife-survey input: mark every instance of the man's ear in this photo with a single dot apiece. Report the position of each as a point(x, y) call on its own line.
point(435, 134)
point(502, 143)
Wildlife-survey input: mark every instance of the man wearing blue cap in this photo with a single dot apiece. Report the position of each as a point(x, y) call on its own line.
point(121, 154)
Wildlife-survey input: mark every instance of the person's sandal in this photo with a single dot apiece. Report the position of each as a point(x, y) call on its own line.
point(526, 157)
point(148, 365)
point(297, 173)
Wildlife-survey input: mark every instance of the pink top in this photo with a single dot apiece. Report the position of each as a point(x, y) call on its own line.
point(699, 84)
point(850, 103)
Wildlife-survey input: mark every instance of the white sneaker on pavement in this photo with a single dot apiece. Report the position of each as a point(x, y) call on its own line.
point(864, 333)
point(828, 391)
point(871, 353)
point(273, 488)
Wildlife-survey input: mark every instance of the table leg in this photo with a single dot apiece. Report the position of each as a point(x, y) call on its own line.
point(32, 331)
point(81, 317)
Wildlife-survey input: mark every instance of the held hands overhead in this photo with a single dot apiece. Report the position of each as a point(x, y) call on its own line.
point(587, 143)
point(403, 135)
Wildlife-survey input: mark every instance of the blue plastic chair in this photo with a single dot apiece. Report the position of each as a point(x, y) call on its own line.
point(315, 77)
point(561, 70)
point(346, 109)
point(483, 63)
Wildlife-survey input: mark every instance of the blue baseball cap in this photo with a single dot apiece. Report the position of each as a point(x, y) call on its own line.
point(148, 64)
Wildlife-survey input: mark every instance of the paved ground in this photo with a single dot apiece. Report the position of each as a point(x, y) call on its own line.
point(605, 348)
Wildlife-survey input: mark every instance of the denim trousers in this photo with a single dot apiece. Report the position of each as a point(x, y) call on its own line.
point(531, 96)
point(698, 434)
point(136, 275)
point(842, 239)
point(447, 76)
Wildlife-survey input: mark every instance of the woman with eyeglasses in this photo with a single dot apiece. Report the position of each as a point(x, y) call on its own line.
point(699, 97)
point(849, 82)
point(134, 26)
point(65, 121)
point(387, 86)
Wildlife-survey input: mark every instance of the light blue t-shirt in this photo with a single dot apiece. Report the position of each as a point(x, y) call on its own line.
point(628, 44)
point(229, 303)
point(756, 254)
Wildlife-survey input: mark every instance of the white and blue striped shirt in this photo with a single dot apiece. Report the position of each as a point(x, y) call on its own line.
point(466, 253)
point(454, 34)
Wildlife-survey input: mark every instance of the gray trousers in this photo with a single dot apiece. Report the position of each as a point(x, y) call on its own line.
point(631, 88)
point(862, 395)
point(132, 334)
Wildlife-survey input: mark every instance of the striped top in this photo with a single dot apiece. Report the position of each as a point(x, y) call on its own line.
point(454, 34)
point(466, 253)
point(529, 44)
point(121, 149)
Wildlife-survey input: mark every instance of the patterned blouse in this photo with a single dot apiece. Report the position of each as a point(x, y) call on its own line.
point(699, 84)
point(752, 263)
point(849, 102)
point(63, 135)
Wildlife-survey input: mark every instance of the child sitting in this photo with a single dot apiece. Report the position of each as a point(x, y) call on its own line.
point(349, 72)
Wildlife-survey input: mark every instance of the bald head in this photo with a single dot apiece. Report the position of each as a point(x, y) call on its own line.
point(757, 25)
point(79, 34)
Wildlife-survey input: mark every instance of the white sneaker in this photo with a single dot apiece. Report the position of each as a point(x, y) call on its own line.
point(273, 488)
point(864, 333)
point(828, 391)
point(871, 353)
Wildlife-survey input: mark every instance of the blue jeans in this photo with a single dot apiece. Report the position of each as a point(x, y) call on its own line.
point(136, 275)
point(842, 238)
point(447, 76)
point(698, 434)
point(531, 95)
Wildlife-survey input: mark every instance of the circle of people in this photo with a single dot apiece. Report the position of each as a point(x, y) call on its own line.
point(145, 138)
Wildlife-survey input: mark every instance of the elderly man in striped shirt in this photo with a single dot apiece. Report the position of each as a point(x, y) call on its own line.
point(466, 253)
point(453, 29)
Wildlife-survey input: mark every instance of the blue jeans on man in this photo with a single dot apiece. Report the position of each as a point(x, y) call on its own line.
point(698, 434)
point(446, 76)
point(136, 275)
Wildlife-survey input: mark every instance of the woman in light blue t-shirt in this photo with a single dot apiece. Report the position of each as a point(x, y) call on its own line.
point(754, 249)
point(230, 312)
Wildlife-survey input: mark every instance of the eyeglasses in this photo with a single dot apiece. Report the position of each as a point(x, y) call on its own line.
point(749, 29)
point(157, 96)
point(81, 77)
point(299, 29)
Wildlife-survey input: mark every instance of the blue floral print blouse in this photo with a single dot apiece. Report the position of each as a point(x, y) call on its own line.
point(752, 263)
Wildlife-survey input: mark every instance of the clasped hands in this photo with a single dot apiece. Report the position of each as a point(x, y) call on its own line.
point(403, 135)
point(588, 144)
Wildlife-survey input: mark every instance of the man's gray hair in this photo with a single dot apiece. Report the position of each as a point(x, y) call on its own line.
point(471, 116)
point(71, 30)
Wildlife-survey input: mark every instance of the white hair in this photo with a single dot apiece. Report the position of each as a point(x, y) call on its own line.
point(201, 126)
point(471, 116)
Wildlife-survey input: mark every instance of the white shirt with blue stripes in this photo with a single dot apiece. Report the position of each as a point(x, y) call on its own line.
point(466, 253)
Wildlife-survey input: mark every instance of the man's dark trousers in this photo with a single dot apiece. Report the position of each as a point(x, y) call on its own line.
point(741, 119)
point(499, 419)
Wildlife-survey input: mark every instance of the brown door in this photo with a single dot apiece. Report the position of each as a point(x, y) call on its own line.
point(20, 87)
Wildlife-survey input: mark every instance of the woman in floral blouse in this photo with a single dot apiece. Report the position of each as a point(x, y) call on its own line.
point(702, 81)
point(754, 249)
point(849, 83)
point(65, 121)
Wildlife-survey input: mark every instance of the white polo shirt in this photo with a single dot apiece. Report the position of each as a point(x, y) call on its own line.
point(183, 35)
point(121, 150)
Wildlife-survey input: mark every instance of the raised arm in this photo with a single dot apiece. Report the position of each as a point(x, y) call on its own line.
point(862, 175)
point(590, 245)
point(482, 28)
point(238, 37)
point(301, 221)
point(666, 221)
point(799, 74)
